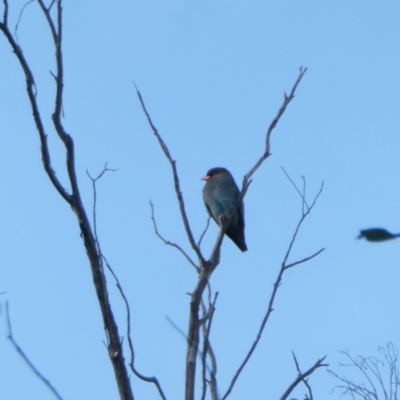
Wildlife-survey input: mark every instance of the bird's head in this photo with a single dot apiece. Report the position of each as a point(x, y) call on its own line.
point(217, 171)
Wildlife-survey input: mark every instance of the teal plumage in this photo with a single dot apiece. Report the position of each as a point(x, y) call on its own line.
point(220, 194)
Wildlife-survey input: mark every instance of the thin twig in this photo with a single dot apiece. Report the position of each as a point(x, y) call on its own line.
point(19, 18)
point(296, 188)
point(206, 343)
point(274, 123)
point(150, 379)
point(204, 232)
point(18, 349)
point(303, 217)
point(304, 259)
point(94, 180)
point(118, 284)
point(305, 381)
point(167, 242)
point(276, 285)
point(207, 267)
point(301, 377)
point(5, 14)
point(176, 181)
point(31, 90)
point(370, 368)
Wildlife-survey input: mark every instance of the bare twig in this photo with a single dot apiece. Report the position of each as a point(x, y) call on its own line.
point(150, 379)
point(301, 194)
point(206, 342)
point(303, 217)
point(18, 349)
point(304, 259)
point(277, 284)
point(305, 381)
point(204, 232)
point(301, 377)
point(19, 18)
point(94, 180)
point(274, 123)
point(31, 90)
point(371, 369)
point(73, 198)
point(167, 242)
point(153, 379)
point(5, 15)
point(213, 375)
point(176, 181)
point(207, 267)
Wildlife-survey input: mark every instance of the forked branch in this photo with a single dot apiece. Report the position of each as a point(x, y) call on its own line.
point(73, 198)
point(207, 267)
point(284, 267)
point(301, 377)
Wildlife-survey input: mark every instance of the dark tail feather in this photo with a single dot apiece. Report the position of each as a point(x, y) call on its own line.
point(237, 237)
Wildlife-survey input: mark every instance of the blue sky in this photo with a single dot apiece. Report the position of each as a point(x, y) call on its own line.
point(212, 74)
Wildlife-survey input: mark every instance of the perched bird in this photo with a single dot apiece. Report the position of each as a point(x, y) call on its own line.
point(377, 235)
point(220, 194)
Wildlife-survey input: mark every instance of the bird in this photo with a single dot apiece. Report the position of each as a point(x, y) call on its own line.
point(220, 194)
point(377, 234)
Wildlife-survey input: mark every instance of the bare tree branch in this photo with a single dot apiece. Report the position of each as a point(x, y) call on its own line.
point(5, 15)
point(74, 199)
point(371, 368)
point(176, 181)
point(302, 376)
point(18, 349)
point(303, 217)
point(304, 259)
point(204, 232)
point(19, 19)
point(305, 381)
point(206, 343)
point(153, 379)
point(167, 242)
point(150, 379)
point(277, 284)
point(207, 267)
point(274, 123)
point(31, 90)
point(94, 216)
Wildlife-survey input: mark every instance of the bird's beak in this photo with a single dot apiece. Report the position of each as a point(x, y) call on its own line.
point(205, 178)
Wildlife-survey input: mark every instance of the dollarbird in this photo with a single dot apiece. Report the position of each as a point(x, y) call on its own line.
point(377, 235)
point(220, 194)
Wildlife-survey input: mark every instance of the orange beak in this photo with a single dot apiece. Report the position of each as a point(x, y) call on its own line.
point(205, 178)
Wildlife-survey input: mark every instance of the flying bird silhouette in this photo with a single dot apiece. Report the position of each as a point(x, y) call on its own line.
point(220, 194)
point(377, 235)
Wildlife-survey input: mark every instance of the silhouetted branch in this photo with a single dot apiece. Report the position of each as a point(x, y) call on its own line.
point(176, 181)
point(301, 377)
point(204, 232)
point(277, 284)
point(274, 123)
point(94, 180)
point(304, 259)
point(19, 18)
point(119, 287)
point(371, 369)
point(167, 242)
point(207, 267)
point(303, 217)
point(18, 349)
point(73, 198)
point(150, 379)
point(206, 343)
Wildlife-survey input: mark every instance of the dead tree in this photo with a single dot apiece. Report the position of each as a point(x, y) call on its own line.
point(202, 301)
